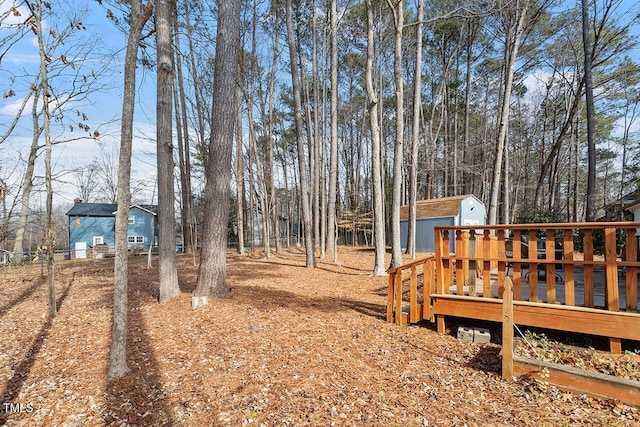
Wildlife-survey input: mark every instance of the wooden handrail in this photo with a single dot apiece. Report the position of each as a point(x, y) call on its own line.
point(475, 261)
point(395, 299)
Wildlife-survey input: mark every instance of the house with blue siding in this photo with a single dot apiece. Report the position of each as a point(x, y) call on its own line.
point(93, 225)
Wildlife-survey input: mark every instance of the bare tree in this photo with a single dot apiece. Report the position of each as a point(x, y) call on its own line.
point(591, 132)
point(240, 202)
point(302, 164)
point(415, 136)
point(18, 248)
point(85, 182)
point(333, 161)
point(118, 350)
point(396, 196)
point(46, 112)
point(105, 168)
point(378, 193)
point(70, 78)
point(515, 26)
point(212, 272)
point(184, 152)
point(166, 213)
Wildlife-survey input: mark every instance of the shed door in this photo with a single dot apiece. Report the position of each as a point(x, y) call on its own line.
point(425, 233)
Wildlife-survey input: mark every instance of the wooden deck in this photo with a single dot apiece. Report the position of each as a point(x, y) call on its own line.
point(576, 288)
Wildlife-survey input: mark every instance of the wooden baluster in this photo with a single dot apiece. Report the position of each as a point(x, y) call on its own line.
point(589, 297)
point(502, 256)
point(439, 262)
point(390, 296)
point(398, 298)
point(550, 269)
point(486, 273)
point(494, 252)
point(631, 255)
point(471, 264)
point(459, 262)
point(479, 254)
point(447, 264)
point(533, 266)
point(517, 265)
point(611, 269)
point(414, 315)
point(429, 285)
point(611, 280)
point(569, 281)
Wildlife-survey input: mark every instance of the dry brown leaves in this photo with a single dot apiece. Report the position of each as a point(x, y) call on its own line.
point(540, 347)
point(294, 346)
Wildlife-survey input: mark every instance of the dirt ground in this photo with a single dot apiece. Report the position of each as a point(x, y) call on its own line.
point(293, 347)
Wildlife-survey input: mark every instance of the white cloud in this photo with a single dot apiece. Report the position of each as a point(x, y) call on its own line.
point(13, 108)
point(14, 14)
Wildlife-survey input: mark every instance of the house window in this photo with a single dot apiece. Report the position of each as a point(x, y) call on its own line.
point(132, 219)
point(98, 240)
point(136, 239)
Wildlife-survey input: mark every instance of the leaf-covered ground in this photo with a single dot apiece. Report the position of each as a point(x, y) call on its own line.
point(294, 346)
point(540, 347)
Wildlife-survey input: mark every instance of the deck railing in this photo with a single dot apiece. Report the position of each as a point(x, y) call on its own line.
point(423, 271)
point(592, 267)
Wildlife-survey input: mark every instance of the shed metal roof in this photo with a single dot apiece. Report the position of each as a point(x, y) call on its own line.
point(435, 208)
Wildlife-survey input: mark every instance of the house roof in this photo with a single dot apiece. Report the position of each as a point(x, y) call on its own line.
point(105, 209)
point(434, 208)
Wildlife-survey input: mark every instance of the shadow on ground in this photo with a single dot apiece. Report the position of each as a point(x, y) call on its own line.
point(21, 371)
point(139, 397)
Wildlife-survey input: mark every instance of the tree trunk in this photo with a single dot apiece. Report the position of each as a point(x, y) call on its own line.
point(591, 133)
point(272, 88)
point(196, 79)
point(118, 351)
point(333, 160)
point(185, 161)
point(27, 183)
point(378, 192)
point(297, 105)
point(318, 227)
point(396, 200)
point(239, 175)
point(512, 44)
point(212, 272)
point(415, 137)
point(166, 214)
point(46, 98)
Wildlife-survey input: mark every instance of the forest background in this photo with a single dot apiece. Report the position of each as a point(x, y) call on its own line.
point(484, 98)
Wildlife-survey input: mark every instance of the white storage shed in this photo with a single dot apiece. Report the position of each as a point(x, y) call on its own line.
point(455, 210)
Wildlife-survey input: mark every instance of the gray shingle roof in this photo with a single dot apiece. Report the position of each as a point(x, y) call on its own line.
point(103, 209)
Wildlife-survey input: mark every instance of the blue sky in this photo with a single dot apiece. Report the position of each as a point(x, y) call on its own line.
point(97, 49)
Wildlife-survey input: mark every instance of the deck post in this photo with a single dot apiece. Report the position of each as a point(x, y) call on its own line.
point(397, 288)
point(414, 315)
point(507, 330)
point(390, 296)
